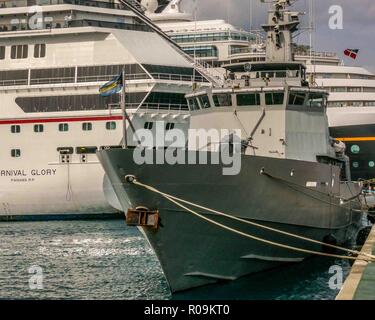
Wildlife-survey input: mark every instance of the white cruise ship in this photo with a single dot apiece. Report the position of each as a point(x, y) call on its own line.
point(352, 89)
point(54, 56)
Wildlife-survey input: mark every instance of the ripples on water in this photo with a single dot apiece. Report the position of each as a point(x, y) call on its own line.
point(108, 260)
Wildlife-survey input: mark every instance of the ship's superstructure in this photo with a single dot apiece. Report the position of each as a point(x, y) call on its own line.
point(351, 101)
point(54, 55)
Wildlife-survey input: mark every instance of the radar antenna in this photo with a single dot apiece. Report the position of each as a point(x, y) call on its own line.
point(281, 25)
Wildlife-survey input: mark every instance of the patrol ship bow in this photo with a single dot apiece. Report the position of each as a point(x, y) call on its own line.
point(202, 220)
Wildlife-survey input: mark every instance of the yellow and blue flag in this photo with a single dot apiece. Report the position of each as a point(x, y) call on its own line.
point(112, 87)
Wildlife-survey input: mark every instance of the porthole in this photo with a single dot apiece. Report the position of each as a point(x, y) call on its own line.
point(371, 164)
point(355, 149)
point(355, 164)
point(148, 125)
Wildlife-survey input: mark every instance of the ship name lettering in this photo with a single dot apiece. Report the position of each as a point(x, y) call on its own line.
point(43, 172)
point(13, 173)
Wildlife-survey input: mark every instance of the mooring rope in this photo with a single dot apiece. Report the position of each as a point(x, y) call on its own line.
point(177, 201)
point(289, 184)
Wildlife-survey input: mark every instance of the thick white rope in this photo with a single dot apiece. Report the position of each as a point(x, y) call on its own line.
point(176, 200)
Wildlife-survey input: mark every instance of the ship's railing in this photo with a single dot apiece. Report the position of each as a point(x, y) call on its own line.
point(178, 77)
point(322, 54)
point(151, 106)
point(265, 78)
point(107, 24)
point(19, 26)
point(164, 107)
point(10, 83)
point(101, 78)
point(52, 80)
point(240, 51)
point(272, 74)
point(116, 106)
point(206, 68)
point(138, 76)
point(88, 3)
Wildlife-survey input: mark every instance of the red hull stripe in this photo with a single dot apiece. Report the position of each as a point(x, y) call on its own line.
point(61, 120)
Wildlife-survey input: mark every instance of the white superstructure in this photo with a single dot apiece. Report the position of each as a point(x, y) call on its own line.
point(53, 58)
point(351, 101)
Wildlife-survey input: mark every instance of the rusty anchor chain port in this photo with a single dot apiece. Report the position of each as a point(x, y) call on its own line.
point(142, 217)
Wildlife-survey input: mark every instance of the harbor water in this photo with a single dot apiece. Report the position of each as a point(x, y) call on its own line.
point(108, 260)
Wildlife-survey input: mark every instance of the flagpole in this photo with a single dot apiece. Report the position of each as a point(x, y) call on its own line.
point(124, 114)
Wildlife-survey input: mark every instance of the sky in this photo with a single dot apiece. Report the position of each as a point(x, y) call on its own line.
point(358, 23)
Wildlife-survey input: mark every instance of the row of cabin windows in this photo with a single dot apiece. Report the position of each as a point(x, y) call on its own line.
point(86, 126)
point(207, 37)
point(150, 125)
point(21, 51)
point(253, 99)
point(64, 127)
point(333, 104)
point(16, 153)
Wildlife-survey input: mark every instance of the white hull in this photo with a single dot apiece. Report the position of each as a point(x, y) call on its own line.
point(351, 116)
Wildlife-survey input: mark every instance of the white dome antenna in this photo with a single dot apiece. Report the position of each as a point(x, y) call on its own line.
point(173, 7)
point(150, 5)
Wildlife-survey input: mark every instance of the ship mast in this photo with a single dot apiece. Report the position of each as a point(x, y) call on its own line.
point(282, 23)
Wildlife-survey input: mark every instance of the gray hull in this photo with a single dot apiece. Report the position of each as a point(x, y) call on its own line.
point(193, 252)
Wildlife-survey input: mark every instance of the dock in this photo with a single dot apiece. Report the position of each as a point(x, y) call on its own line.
point(360, 284)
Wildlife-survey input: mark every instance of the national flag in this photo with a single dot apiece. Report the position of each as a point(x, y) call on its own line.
point(112, 87)
point(352, 53)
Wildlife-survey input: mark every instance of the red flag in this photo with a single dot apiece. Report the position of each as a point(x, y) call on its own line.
point(352, 53)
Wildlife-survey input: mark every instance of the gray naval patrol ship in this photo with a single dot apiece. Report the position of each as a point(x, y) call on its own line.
point(209, 222)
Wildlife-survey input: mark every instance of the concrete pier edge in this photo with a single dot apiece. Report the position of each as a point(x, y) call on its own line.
point(350, 287)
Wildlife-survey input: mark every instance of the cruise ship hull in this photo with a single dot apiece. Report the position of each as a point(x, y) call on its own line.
point(54, 192)
point(356, 127)
point(193, 252)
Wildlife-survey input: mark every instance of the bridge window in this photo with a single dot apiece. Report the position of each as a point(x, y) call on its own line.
point(202, 51)
point(204, 101)
point(193, 104)
point(40, 50)
point(164, 100)
point(273, 98)
point(316, 100)
point(15, 153)
point(111, 125)
point(15, 129)
point(2, 52)
point(222, 100)
point(170, 126)
point(297, 99)
point(149, 125)
point(248, 99)
point(38, 128)
point(63, 127)
point(87, 126)
point(19, 51)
